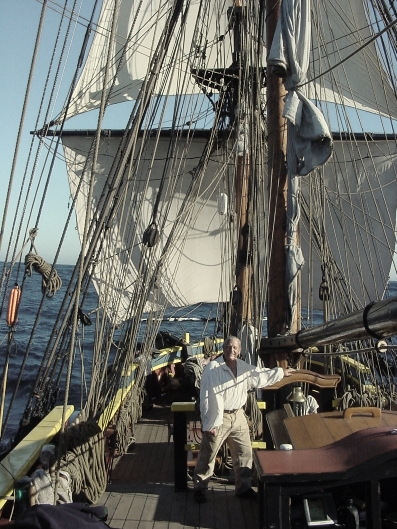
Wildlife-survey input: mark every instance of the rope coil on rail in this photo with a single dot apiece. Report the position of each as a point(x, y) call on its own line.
point(51, 282)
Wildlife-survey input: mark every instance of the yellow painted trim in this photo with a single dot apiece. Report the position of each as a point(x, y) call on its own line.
point(258, 445)
point(166, 364)
point(192, 446)
point(112, 408)
point(261, 405)
point(354, 363)
point(182, 406)
point(19, 461)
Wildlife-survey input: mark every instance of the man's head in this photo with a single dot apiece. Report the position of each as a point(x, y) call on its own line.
point(231, 348)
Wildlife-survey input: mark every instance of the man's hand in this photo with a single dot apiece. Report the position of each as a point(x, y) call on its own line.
point(288, 371)
point(213, 432)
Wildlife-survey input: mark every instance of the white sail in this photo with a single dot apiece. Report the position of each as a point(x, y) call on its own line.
point(360, 192)
point(198, 261)
point(359, 189)
point(346, 64)
point(360, 82)
point(357, 80)
point(138, 29)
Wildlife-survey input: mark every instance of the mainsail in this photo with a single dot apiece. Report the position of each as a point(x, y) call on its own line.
point(359, 187)
point(193, 252)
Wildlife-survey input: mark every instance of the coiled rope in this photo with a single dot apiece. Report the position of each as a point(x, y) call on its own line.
point(51, 282)
point(352, 398)
point(85, 460)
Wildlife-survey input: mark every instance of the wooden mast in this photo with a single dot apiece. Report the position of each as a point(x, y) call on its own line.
point(243, 303)
point(277, 170)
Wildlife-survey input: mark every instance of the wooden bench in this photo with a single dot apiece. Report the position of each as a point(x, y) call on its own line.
point(365, 456)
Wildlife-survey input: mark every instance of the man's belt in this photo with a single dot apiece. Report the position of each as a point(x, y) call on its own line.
point(230, 411)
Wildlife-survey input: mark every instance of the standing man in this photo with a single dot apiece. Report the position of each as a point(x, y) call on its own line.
point(223, 393)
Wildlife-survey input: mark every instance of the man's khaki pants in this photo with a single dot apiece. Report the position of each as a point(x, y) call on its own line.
point(235, 431)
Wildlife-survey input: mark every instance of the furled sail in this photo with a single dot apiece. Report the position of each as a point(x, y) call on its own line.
point(309, 142)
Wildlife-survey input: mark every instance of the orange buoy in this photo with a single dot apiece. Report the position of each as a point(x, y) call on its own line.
point(13, 304)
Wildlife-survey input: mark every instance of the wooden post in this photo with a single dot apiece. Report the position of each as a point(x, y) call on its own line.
point(277, 169)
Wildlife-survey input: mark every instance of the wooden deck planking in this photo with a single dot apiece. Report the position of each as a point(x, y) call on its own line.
point(141, 493)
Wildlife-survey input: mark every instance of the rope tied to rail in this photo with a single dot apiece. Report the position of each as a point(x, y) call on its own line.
point(51, 282)
point(85, 461)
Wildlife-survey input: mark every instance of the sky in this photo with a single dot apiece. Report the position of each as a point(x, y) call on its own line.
point(18, 26)
point(19, 20)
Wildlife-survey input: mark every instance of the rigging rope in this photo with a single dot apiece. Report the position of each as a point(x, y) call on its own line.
point(51, 282)
point(85, 460)
point(129, 415)
point(376, 36)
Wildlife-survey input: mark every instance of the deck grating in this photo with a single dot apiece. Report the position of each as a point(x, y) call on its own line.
point(141, 494)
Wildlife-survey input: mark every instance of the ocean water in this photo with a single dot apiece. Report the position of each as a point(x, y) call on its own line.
point(198, 321)
point(193, 320)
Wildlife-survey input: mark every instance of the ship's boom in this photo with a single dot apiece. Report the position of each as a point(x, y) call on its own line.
point(377, 320)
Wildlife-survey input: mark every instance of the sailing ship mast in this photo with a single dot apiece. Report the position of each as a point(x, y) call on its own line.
point(243, 303)
point(277, 170)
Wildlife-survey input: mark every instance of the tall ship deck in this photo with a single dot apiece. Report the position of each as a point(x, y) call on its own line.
point(141, 492)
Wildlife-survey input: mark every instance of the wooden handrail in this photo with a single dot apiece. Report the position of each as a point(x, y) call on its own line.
point(309, 377)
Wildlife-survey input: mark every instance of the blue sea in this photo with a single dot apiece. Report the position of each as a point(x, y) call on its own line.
point(193, 320)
